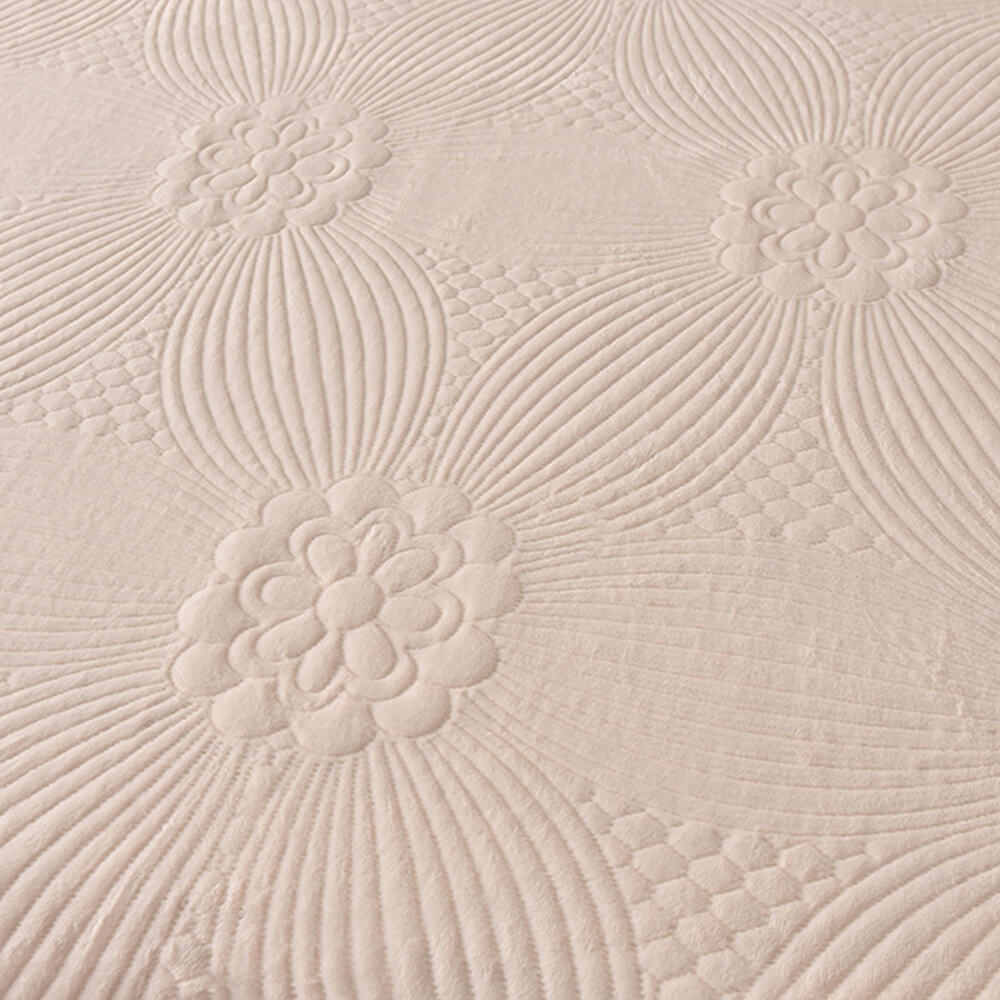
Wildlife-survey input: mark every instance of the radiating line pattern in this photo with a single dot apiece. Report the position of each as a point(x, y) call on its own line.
point(923, 924)
point(336, 378)
point(28, 28)
point(454, 869)
point(215, 74)
point(451, 864)
point(396, 667)
point(912, 366)
point(787, 692)
point(756, 697)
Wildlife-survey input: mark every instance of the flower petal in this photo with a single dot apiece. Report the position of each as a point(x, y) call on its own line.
point(737, 227)
point(263, 221)
point(349, 602)
point(817, 157)
point(249, 548)
point(803, 238)
point(916, 272)
point(335, 114)
point(845, 185)
point(812, 192)
point(419, 710)
point(232, 180)
point(745, 192)
point(291, 638)
point(483, 539)
point(393, 684)
point(342, 727)
point(832, 255)
point(284, 513)
point(435, 508)
point(351, 499)
point(406, 569)
point(866, 244)
point(874, 196)
point(409, 613)
point(942, 207)
point(204, 213)
point(887, 220)
point(320, 664)
point(744, 260)
point(790, 280)
point(938, 244)
point(309, 167)
point(213, 614)
point(368, 652)
point(324, 206)
point(882, 161)
point(926, 179)
point(249, 711)
point(485, 591)
point(859, 285)
point(202, 670)
point(464, 659)
point(331, 557)
point(378, 544)
point(289, 592)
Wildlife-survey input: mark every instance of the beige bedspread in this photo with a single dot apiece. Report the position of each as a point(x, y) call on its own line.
point(499, 499)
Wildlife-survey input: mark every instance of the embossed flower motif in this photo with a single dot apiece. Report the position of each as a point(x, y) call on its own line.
point(265, 90)
point(888, 253)
point(859, 226)
point(348, 613)
point(263, 167)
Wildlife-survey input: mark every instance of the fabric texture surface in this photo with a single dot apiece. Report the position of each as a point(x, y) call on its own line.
point(499, 499)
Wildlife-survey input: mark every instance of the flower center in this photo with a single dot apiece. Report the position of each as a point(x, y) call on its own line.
point(857, 227)
point(273, 161)
point(346, 614)
point(839, 216)
point(349, 603)
point(260, 169)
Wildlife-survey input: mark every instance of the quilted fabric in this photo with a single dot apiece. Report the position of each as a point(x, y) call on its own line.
point(499, 499)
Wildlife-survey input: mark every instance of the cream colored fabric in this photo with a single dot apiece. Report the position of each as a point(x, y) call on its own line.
point(499, 499)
